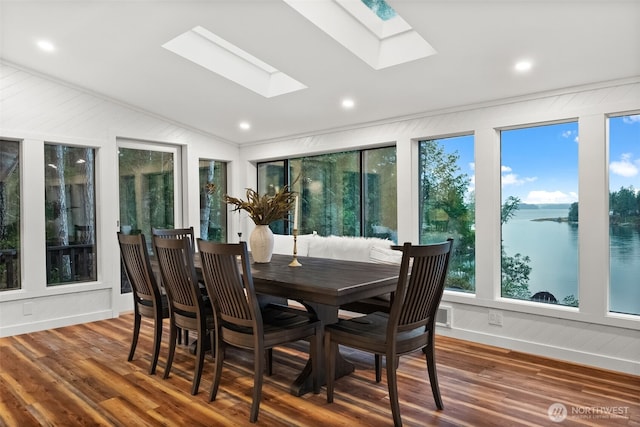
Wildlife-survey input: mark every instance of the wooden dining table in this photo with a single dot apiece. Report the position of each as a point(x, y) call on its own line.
point(322, 285)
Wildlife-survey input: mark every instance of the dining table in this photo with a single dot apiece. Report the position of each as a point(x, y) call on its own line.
point(321, 285)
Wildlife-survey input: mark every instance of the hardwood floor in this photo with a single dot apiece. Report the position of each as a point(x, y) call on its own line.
point(79, 376)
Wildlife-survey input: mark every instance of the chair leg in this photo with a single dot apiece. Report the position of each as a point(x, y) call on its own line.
point(331, 348)
point(433, 376)
point(172, 349)
point(268, 354)
point(136, 331)
point(378, 363)
point(392, 384)
point(157, 338)
point(212, 343)
point(217, 369)
point(316, 354)
point(199, 362)
point(258, 362)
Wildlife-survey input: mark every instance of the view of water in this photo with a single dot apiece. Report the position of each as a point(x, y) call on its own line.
point(553, 249)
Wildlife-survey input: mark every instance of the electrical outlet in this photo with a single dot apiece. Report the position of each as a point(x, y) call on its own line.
point(495, 317)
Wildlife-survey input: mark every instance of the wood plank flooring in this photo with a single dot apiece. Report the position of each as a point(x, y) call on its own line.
point(79, 376)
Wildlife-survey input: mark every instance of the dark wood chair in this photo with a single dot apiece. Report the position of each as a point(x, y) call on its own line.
point(148, 300)
point(408, 327)
point(177, 233)
point(241, 322)
point(188, 308)
point(371, 305)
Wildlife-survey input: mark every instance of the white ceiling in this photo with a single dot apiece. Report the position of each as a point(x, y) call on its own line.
point(114, 48)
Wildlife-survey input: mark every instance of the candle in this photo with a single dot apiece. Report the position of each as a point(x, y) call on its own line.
point(295, 215)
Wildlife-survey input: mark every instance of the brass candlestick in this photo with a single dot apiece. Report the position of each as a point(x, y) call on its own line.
point(295, 262)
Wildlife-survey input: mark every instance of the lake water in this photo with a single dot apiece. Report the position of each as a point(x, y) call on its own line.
point(553, 249)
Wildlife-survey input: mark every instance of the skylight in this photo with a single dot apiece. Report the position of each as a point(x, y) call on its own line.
point(380, 8)
point(381, 39)
point(212, 52)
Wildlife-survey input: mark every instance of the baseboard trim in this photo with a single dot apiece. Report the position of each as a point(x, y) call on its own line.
point(569, 355)
point(25, 328)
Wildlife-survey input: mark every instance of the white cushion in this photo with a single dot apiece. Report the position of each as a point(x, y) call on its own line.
point(345, 248)
point(283, 244)
point(385, 255)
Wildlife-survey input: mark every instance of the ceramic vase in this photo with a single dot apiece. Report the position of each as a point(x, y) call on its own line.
point(261, 242)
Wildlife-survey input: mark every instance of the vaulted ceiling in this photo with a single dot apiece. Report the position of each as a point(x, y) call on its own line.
point(114, 48)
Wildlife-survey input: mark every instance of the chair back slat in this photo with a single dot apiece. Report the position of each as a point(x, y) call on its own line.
point(423, 273)
point(230, 287)
point(176, 233)
point(175, 259)
point(135, 257)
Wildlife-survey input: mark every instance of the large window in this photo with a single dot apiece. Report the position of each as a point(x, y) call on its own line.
point(380, 206)
point(343, 194)
point(447, 204)
point(70, 214)
point(9, 215)
point(147, 192)
point(624, 214)
point(213, 211)
point(272, 176)
point(540, 213)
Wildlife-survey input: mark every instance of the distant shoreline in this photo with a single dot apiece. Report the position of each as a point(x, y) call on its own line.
point(556, 219)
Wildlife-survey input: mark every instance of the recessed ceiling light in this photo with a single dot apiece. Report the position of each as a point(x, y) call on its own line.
point(46, 45)
point(348, 103)
point(523, 66)
point(244, 125)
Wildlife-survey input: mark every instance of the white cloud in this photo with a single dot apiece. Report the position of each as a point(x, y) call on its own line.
point(570, 134)
point(542, 196)
point(625, 167)
point(505, 168)
point(510, 179)
point(631, 119)
point(514, 179)
point(472, 166)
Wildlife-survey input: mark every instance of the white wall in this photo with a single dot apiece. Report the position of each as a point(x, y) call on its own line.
point(36, 109)
point(587, 335)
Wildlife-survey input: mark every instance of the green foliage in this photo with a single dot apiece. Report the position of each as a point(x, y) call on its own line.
point(570, 300)
point(573, 212)
point(624, 205)
point(515, 276)
point(515, 269)
point(508, 209)
point(445, 211)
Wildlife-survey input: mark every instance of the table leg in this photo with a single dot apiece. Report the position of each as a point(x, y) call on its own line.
point(304, 382)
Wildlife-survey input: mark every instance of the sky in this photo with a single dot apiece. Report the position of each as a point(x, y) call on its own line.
point(540, 164)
